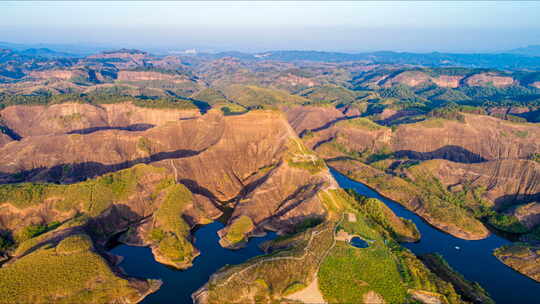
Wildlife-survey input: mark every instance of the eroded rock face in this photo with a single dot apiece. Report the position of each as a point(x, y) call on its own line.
point(409, 78)
point(309, 118)
point(447, 81)
point(528, 214)
point(486, 137)
point(522, 258)
point(148, 76)
point(4, 139)
point(86, 118)
point(506, 181)
point(417, 78)
point(479, 138)
point(237, 159)
point(253, 164)
point(55, 74)
point(486, 79)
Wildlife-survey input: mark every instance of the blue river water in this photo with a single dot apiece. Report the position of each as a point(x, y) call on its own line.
point(474, 259)
point(178, 285)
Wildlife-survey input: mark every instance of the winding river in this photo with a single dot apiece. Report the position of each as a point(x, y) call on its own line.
point(474, 259)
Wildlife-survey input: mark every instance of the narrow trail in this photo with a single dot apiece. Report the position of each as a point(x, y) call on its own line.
point(175, 170)
point(306, 252)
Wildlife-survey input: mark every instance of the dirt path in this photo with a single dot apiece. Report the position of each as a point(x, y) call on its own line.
point(309, 295)
point(306, 252)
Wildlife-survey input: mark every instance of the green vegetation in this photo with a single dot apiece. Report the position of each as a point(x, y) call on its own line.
point(330, 94)
point(144, 145)
point(345, 273)
point(535, 157)
point(446, 206)
point(232, 109)
point(74, 244)
point(348, 273)
point(170, 231)
point(362, 123)
point(390, 270)
point(400, 92)
point(439, 204)
point(399, 228)
point(294, 287)
point(238, 229)
point(35, 230)
point(299, 156)
point(211, 96)
point(521, 133)
point(271, 277)
point(95, 98)
point(92, 196)
point(253, 96)
point(507, 222)
point(69, 273)
point(522, 257)
point(471, 291)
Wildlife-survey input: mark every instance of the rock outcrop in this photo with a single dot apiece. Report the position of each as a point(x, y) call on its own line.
point(505, 181)
point(253, 165)
point(522, 258)
point(487, 79)
point(477, 139)
point(86, 118)
point(150, 76)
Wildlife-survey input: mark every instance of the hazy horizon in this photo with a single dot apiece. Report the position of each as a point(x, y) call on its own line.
point(422, 26)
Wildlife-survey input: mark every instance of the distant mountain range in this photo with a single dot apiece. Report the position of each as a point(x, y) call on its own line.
point(531, 50)
point(499, 61)
point(520, 58)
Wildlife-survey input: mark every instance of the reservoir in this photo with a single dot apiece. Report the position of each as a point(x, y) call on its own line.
point(473, 259)
point(178, 285)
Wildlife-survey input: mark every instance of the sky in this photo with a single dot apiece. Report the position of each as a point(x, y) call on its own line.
point(422, 26)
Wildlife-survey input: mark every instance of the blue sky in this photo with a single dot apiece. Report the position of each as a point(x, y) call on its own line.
point(325, 25)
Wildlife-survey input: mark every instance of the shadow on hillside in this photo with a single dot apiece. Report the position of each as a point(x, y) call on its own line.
point(328, 125)
point(507, 201)
point(72, 173)
point(134, 127)
point(10, 133)
point(452, 153)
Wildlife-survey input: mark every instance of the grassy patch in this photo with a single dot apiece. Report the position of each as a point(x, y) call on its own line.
point(299, 156)
point(170, 231)
point(75, 243)
point(253, 96)
point(35, 230)
point(238, 229)
point(92, 196)
point(348, 273)
point(293, 288)
point(401, 229)
point(68, 274)
point(362, 123)
point(521, 133)
point(508, 223)
point(144, 145)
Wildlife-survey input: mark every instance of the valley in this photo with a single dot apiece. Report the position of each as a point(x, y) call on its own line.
point(135, 178)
